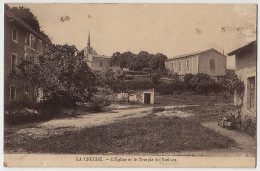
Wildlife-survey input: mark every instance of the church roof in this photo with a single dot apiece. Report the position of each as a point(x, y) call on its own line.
point(100, 56)
point(191, 54)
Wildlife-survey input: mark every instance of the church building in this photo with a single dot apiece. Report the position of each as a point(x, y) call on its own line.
point(96, 62)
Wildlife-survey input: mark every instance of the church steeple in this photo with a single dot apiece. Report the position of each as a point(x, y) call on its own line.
point(88, 39)
point(88, 44)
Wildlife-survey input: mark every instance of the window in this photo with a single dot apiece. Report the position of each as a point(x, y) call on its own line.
point(212, 65)
point(31, 61)
point(14, 35)
point(13, 62)
point(100, 64)
point(27, 39)
point(251, 92)
point(172, 67)
point(40, 46)
point(179, 66)
point(175, 66)
point(188, 65)
point(46, 48)
point(12, 93)
point(32, 41)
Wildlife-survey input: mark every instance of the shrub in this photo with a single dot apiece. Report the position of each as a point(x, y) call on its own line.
point(155, 79)
point(98, 103)
point(158, 109)
point(126, 86)
point(187, 81)
point(202, 83)
point(128, 77)
point(21, 115)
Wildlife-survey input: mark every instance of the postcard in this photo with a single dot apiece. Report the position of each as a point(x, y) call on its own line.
point(130, 85)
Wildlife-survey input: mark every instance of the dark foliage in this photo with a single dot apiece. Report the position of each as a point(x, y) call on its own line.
point(141, 61)
point(28, 17)
point(62, 76)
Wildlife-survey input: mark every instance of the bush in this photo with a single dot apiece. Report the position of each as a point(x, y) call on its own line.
point(128, 77)
point(174, 87)
point(18, 116)
point(98, 103)
point(155, 79)
point(126, 86)
point(203, 83)
point(158, 109)
point(187, 81)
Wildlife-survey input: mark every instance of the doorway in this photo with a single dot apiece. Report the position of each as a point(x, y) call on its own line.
point(147, 98)
point(251, 92)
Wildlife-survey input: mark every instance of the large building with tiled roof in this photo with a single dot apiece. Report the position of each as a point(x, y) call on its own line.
point(96, 62)
point(208, 61)
point(20, 42)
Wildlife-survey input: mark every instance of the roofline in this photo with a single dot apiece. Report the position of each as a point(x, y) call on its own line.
point(100, 56)
point(191, 54)
point(9, 14)
point(238, 49)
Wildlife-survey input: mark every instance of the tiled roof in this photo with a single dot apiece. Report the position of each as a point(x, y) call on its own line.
point(190, 54)
point(237, 50)
point(10, 15)
point(100, 56)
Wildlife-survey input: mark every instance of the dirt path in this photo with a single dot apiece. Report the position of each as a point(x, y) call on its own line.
point(246, 144)
point(59, 126)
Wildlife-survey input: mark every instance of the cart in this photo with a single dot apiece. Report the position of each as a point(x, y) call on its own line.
point(229, 121)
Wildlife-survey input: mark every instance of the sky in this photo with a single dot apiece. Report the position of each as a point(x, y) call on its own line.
point(171, 29)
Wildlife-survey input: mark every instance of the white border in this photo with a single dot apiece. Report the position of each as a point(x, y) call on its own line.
point(97, 1)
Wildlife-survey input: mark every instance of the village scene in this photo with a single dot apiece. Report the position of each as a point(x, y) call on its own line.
point(159, 95)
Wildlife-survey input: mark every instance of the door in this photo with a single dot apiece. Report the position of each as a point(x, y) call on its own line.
point(147, 98)
point(252, 92)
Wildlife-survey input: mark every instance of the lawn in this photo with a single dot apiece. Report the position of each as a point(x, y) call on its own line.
point(150, 134)
point(205, 113)
point(188, 99)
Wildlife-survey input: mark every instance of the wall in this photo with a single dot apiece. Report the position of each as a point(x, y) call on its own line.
point(245, 68)
point(20, 49)
point(220, 62)
point(96, 63)
point(193, 65)
point(139, 97)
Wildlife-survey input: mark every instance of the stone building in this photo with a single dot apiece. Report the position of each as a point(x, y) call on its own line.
point(143, 97)
point(96, 62)
point(20, 42)
point(209, 61)
point(245, 68)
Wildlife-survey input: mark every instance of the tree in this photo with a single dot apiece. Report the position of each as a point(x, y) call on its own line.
point(232, 84)
point(187, 80)
point(28, 17)
point(62, 76)
point(138, 62)
point(203, 83)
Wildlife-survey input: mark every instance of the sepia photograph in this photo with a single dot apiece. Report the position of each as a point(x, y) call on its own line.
point(130, 85)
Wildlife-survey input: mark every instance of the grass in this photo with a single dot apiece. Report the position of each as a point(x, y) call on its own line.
point(151, 134)
point(187, 99)
point(205, 113)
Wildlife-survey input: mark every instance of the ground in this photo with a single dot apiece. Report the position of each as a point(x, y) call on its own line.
point(178, 130)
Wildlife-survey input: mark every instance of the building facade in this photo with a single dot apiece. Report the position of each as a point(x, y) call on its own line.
point(209, 61)
point(245, 68)
point(96, 62)
point(21, 42)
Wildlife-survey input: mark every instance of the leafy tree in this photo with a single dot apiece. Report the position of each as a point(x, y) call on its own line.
point(138, 62)
point(187, 80)
point(26, 16)
point(202, 83)
point(62, 76)
point(232, 84)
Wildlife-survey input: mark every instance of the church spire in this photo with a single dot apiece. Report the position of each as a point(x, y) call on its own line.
point(88, 39)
